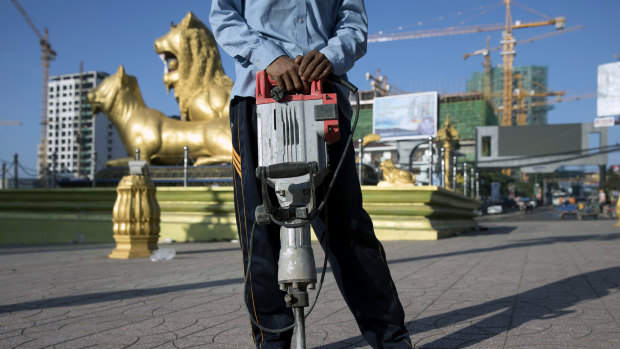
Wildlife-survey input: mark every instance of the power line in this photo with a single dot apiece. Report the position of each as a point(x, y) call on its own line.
point(610, 150)
point(601, 149)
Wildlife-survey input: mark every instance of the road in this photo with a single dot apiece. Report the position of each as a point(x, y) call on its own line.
point(546, 213)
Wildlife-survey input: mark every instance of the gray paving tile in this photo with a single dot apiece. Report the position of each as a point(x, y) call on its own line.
point(540, 284)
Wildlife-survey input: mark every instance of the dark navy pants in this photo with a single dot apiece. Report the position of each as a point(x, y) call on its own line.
point(356, 257)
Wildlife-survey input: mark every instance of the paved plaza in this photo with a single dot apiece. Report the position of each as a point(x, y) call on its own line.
point(519, 284)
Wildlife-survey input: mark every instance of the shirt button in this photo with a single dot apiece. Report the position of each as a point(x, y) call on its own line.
point(300, 20)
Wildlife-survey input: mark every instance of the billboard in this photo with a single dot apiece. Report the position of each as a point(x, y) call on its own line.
point(407, 116)
point(608, 101)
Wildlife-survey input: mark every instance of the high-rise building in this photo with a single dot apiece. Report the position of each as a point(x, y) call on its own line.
point(77, 141)
point(532, 79)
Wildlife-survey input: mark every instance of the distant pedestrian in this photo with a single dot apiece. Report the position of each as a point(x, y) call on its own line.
point(602, 200)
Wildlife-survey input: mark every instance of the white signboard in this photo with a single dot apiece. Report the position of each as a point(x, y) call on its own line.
point(608, 101)
point(605, 121)
point(406, 116)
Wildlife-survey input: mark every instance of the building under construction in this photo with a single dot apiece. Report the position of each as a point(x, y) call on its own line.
point(466, 111)
point(530, 91)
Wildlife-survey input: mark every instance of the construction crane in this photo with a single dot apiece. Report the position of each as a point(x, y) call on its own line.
point(562, 99)
point(521, 94)
point(508, 46)
point(47, 55)
point(486, 88)
point(508, 53)
point(485, 52)
point(10, 123)
point(381, 87)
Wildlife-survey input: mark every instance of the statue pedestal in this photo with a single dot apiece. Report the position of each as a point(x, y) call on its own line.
point(133, 246)
point(136, 217)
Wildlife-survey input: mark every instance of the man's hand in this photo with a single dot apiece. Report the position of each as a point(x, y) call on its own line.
point(286, 73)
point(314, 66)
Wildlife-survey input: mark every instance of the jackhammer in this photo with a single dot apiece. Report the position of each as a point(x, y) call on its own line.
point(294, 131)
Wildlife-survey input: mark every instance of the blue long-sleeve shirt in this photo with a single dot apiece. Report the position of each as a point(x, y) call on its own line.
point(256, 32)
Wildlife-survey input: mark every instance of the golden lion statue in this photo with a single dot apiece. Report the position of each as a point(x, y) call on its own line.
point(160, 139)
point(192, 67)
point(395, 176)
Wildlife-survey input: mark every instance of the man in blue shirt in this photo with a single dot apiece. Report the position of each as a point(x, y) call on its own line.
point(297, 42)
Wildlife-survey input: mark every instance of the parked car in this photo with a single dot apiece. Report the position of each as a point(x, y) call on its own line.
point(495, 209)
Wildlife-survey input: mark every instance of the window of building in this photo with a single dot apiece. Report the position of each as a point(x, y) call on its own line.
point(486, 146)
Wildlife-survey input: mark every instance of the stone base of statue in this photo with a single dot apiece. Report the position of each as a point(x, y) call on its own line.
point(418, 212)
point(133, 246)
point(136, 215)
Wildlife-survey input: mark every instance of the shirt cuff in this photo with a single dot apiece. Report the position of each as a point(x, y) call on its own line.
point(265, 54)
point(336, 61)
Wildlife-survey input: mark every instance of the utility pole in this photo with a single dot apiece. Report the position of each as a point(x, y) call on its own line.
point(54, 170)
point(3, 175)
point(464, 179)
point(93, 168)
point(473, 180)
point(430, 161)
point(454, 173)
point(443, 167)
point(16, 165)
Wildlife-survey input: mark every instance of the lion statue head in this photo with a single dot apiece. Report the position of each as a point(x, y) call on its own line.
point(193, 68)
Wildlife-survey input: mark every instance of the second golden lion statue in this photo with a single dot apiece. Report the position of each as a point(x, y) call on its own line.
point(193, 68)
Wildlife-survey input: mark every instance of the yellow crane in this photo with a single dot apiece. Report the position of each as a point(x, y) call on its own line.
point(508, 46)
point(508, 53)
point(10, 123)
point(485, 52)
point(521, 108)
point(47, 55)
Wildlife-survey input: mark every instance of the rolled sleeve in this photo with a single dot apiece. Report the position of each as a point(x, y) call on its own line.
point(238, 39)
point(350, 37)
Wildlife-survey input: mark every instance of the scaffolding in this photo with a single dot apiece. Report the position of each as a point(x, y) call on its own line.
point(534, 81)
point(466, 111)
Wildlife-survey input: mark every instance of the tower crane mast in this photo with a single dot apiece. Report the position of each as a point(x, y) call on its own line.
point(47, 55)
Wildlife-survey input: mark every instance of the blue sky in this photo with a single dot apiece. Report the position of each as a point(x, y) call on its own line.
point(104, 34)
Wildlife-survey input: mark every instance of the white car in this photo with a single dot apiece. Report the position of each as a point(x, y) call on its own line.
point(494, 209)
